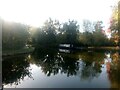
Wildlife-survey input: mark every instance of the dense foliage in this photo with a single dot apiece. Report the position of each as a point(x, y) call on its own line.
point(14, 35)
point(115, 24)
point(53, 33)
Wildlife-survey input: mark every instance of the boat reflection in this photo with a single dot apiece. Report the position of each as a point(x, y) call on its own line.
point(85, 65)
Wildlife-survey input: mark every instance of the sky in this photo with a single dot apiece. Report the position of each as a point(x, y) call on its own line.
point(35, 12)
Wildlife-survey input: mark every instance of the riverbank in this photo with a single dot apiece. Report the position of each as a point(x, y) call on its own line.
point(93, 48)
point(105, 48)
point(30, 50)
point(17, 52)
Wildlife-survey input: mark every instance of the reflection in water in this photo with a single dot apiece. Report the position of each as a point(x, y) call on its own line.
point(113, 70)
point(54, 63)
point(91, 64)
point(64, 50)
point(88, 66)
point(14, 70)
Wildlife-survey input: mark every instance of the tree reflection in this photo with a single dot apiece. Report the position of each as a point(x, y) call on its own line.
point(70, 66)
point(91, 64)
point(55, 62)
point(86, 65)
point(14, 70)
point(113, 70)
point(51, 64)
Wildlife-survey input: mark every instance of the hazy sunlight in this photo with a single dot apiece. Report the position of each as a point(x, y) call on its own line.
point(35, 12)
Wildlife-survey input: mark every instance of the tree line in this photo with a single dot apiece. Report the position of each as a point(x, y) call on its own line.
point(53, 33)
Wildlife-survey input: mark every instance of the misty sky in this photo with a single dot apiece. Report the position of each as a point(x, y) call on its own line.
point(35, 12)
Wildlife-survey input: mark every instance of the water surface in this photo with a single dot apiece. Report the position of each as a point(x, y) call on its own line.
point(47, 68)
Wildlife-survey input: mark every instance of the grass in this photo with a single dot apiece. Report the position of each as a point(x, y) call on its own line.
point(105, 48)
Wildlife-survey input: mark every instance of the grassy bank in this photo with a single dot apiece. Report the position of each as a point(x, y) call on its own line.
point(105, 48)
point(29, 50)
point(16, 52)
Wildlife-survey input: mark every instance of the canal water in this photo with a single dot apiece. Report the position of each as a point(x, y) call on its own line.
point(48, 68)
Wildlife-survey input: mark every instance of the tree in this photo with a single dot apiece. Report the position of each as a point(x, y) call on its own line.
point(88, 26)
point(14, 35)
point(46, 35)
point(100, 38)
point(93, 34)
point(119, 21)
point(71, 29)
point(115, 24)
point(86, 38)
